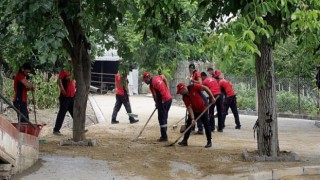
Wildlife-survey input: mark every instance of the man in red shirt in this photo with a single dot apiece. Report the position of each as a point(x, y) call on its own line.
point(122, 97)
point(163, 99)
point(230, 99)
point(67, 88)
point(211, 72)
point(21, 86)
point(195, 77)
point(195, 102)
point(214, 87)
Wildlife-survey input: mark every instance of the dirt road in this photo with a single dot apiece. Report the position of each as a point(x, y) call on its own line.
point(149, 159)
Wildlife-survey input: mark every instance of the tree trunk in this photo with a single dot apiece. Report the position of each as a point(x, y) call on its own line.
point(1, 81)
point(77, 46)
point(267, 140)
point(81, 70)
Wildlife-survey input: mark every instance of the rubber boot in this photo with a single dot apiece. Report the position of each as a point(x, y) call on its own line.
point(164, 136)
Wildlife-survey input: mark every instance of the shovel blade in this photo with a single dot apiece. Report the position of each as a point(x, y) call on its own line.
point(137, 138)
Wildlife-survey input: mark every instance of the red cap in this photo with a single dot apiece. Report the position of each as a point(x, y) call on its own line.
point(180, 86)
point(217, 73)
point(67, 73)
point(145, 75)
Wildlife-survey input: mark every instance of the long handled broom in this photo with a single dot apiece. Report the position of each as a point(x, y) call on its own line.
point(136, 138)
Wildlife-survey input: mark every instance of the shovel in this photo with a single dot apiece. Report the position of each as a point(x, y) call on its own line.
point(190, 125)
point(175, 125)
point(136, 138)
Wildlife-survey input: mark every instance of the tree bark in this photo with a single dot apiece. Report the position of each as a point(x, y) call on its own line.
point(81, 70)
point(1, 80)
point(267, 140)
point(77, 47)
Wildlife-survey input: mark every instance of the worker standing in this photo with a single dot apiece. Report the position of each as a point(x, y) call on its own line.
point(195, 78)
point(67, 86)
point(230, 100)
point(214, 87)
point(122, 97)
point(21, 86)
point(163, 99)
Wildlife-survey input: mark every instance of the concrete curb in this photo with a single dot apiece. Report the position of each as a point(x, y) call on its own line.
point(97, 110)
point(291, 157)
point(282, 115)
point(279, 173)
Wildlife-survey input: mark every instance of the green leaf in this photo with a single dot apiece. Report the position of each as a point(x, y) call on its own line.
point(249, 34)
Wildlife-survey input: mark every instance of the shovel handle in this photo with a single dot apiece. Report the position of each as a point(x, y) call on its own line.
point(145, 125)
point(192, 124)
point(34, 107)
point(175, 124)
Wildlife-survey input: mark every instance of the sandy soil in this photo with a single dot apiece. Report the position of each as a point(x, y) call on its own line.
point(153, 160)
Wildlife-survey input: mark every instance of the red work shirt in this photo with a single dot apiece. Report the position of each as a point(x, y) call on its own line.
point(159, 89)
point(196, 76)
point(195, 98)
point(68, 84)
point(120, 84)
point(213, 85)
point(227, 87)
point(20, 90)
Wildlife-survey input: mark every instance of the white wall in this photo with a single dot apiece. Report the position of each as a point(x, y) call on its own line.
point(133, 81)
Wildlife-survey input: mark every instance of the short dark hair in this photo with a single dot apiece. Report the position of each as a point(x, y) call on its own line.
point(210, 69)
point(26, 66)
point(204, 74)
point(192, 66)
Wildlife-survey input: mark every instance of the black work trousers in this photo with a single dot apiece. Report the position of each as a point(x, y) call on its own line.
point(205, 122)
point(22, 107)
point(231, 102)
point(66, 104)
point(219, 106)
point(119, 101)
point(163, 110)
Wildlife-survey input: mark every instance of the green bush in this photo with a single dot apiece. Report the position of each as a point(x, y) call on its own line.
point(46, 93)
point(288, 102)
point(245, 97)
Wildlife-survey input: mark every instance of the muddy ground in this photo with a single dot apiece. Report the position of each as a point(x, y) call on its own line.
point(149, 159)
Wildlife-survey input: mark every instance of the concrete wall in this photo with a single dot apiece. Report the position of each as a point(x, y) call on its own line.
point(182, 71)
point(8, 142)
point(18, 149)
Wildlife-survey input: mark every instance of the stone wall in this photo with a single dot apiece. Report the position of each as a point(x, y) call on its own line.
point(182, 72)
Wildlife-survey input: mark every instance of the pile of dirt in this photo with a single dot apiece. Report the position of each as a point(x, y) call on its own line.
point(151, 159)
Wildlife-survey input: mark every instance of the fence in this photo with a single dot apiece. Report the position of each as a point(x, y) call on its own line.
point(104, 81)
point(293, 95)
